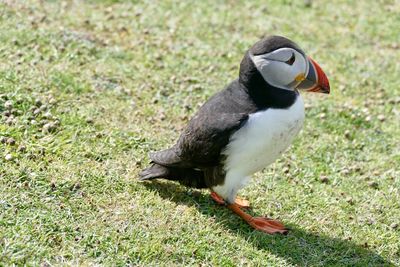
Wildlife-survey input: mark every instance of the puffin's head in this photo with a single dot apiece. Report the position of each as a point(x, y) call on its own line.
point(282, 64)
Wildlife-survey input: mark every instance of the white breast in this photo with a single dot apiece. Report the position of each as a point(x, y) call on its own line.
point(264, 137)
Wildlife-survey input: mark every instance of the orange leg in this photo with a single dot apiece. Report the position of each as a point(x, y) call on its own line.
point(260, 223)
point(242, 203)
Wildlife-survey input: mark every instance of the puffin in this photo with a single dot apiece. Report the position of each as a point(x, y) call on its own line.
point(244, 128)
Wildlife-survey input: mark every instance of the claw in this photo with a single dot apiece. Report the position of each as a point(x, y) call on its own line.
point(268, 225)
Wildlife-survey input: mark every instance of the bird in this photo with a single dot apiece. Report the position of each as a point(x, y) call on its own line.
point(244, 128)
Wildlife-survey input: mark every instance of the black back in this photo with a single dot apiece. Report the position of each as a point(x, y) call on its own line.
point(207, 134)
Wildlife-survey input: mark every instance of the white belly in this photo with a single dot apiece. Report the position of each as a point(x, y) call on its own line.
point(264, 137)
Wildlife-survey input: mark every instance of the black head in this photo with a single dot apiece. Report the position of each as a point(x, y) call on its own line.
point(275, 68)
point(272, 43)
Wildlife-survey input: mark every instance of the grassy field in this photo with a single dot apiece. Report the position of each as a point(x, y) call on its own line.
point(88, 88)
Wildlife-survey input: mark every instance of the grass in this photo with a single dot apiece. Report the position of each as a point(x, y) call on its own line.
point(89, 88)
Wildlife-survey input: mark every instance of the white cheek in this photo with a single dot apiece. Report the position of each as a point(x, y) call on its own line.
point(277, 73)
point(300, 65)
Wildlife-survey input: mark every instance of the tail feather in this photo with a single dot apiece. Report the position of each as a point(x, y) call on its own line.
point(185, 176)
point(167, 157)
point(153, 171)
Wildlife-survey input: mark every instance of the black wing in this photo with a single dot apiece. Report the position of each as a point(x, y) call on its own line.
point(205, 138)
point(201, 142)
point(208, 133)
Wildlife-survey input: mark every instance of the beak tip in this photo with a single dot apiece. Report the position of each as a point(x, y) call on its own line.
point(322, 84)
point(326, 89)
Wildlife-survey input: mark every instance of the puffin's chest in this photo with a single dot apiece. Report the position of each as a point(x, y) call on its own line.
point(265, 136)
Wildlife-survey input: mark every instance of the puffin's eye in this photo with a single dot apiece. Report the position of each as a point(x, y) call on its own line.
point(291, 60)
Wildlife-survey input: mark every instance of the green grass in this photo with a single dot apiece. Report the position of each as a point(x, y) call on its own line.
point(94, 86)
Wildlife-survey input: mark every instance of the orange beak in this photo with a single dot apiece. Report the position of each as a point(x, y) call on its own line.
point(316, 80)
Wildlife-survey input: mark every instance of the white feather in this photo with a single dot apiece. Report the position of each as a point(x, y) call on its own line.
point(276, 72)
point(264, 137)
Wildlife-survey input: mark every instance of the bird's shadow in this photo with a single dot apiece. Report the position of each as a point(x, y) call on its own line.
point(299, 247)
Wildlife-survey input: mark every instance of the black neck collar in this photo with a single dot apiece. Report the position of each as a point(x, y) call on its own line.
point(263, 94)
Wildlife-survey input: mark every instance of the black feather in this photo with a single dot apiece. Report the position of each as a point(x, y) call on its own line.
point(200, 146)
point(185, 176)
point(167, 157)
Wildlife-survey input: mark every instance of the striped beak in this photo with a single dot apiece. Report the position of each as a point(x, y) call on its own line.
point(316, 80)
